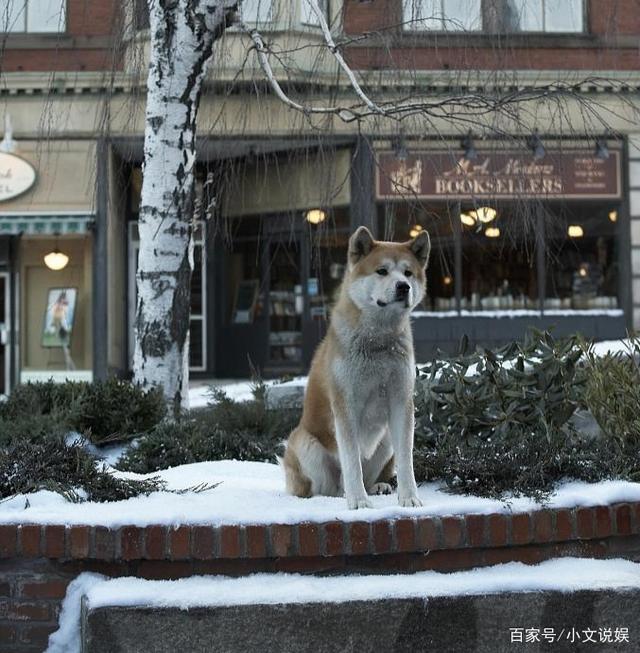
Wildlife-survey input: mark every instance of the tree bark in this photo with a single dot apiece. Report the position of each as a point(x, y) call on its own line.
point(182, 34)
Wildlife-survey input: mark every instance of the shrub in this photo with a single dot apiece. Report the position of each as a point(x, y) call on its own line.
point(227, 429)
point(42, 398)
point(113, 410)
point(70, 470)
point(490, 422)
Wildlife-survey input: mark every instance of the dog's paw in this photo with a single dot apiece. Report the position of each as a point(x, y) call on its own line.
point(380, 488)
point(410, 501)
point(357, 503)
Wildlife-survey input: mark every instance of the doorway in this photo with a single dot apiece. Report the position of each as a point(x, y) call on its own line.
point(5, 333)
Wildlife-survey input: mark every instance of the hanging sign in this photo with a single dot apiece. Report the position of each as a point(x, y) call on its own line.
point(16, 176)
point(566, 174)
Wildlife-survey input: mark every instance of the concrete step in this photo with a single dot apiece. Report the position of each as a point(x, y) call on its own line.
point(578, 621)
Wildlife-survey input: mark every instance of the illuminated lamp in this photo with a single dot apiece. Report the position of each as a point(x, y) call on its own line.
point(467, 219)
point(447, 280)
point(613, 216)
point(56, 260)
point(415, 230)
point(492, 232)
point(315, 216)
point(575, 231)
point(484, 214)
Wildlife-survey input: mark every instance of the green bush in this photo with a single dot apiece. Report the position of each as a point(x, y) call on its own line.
point(491, 422)
point(227, 429)
point(42, 398)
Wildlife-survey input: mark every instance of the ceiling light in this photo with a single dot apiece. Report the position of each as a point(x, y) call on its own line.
point(447, 280)
point(467, 219)
point(575, 231)
point(602, 150)
point(315, 216)
point(470, 153)
point(613, 216)
point(56, 260)
point(534, 143)
point(582, 270)
point(484, 214)
point(492, 232)
point(415, 230)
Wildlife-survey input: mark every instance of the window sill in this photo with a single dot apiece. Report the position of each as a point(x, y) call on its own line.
point(57, 41)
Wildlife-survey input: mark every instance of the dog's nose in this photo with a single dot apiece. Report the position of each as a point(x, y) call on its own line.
point(402, 288)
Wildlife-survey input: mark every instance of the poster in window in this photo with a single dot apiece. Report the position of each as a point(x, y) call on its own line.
point(59, 315)
point(245, 304)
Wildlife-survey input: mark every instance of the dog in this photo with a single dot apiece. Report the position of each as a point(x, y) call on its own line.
point(357, 422)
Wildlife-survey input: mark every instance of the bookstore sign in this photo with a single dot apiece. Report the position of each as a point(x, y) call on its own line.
point(433, 175)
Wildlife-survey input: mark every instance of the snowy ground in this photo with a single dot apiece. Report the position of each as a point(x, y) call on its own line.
point(565, 575)
point(253, 493)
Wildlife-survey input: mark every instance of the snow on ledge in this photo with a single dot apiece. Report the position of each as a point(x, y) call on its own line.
point(562, 574)
point(253, 493)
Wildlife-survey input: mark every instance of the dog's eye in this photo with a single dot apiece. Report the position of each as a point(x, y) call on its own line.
point(382, 272)
point(408, 273)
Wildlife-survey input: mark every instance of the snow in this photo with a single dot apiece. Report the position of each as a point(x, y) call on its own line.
point(67, 638)
point(253, 493)
point(522, 312)
point(563, 574)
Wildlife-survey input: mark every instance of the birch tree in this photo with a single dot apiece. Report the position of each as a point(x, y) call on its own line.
point(182, 38)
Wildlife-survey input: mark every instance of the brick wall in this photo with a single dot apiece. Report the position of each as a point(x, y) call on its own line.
point(37, 563)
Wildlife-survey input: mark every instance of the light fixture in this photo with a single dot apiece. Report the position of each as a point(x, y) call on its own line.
point(447, 280)
point(613, 216)
point(399, 146)
point(467, 219)
point(492, 232)
point(534, 143)
point(470, 153)
point(602, 150)
point(315, 216)
point(575, 231)
point(582, 270)
point(56, 260)
point(415, 230)
point(484, 214)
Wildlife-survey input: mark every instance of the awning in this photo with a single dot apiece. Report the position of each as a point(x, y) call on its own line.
point(45, 223)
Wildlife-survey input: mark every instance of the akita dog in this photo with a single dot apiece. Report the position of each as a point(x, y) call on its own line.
point(357, 421)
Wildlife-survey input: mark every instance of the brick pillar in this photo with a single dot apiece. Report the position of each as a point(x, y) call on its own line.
point(634, 211)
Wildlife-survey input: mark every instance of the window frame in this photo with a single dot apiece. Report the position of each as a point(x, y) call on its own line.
point(25, 21)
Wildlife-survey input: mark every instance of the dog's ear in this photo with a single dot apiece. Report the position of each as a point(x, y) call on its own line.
point(360, 244)
point(421, 248)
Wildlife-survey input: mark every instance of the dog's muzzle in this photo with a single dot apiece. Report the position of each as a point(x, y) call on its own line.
point(402, 291)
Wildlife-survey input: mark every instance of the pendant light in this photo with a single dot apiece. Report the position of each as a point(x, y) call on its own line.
point(56, 260)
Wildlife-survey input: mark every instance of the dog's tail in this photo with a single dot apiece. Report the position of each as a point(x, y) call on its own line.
point(296, 482)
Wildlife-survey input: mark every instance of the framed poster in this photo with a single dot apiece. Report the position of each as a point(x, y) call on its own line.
point(245, 304)
point(59, 314)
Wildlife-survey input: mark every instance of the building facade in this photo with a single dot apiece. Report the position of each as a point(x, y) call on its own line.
point(533, 206)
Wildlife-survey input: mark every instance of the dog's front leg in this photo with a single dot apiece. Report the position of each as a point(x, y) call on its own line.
point(401, 426)
point(350, 462)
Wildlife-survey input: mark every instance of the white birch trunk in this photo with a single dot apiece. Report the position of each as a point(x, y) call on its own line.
point(182, 33)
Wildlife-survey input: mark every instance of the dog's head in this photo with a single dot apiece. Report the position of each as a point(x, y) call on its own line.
point(387, 276)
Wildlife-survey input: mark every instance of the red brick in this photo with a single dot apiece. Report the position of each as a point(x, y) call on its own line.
point(623, 519)
point(521, 528)
point(475, 525)
point(30, 537)
point(564, 525)
point(381, 536)
point(452, 533)
point(497, 530)
point(202, 542)
point(49, 589)
point(542, 526)
point(281, 539)
point(8, 541)
point(405, 535)
point(427, 536)
point(155, 540)
point(256, 540)
point(79, 542)
point(309, 539)
point(179, 543)
point(359, 543)
point(32, 611)
point(636, 514)
point(54, 541)
point(230, 542)
point(105, 543)
point(333, 539)
point(603, 526)
point(36, 634)
point(130, 543)
point(8, 634)
point(584, 522)
point(452, 559)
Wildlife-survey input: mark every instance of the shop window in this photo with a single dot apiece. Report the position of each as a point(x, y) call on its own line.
point(581, 257)
point(499, 270)
point(33, 16)
point(442, 15)
point(308, 16)
point(256, 11)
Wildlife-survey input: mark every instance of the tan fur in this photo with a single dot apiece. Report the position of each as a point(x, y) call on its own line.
point(313, 442)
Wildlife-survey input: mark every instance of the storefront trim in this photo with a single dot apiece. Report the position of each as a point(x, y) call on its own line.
point(45, 223)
